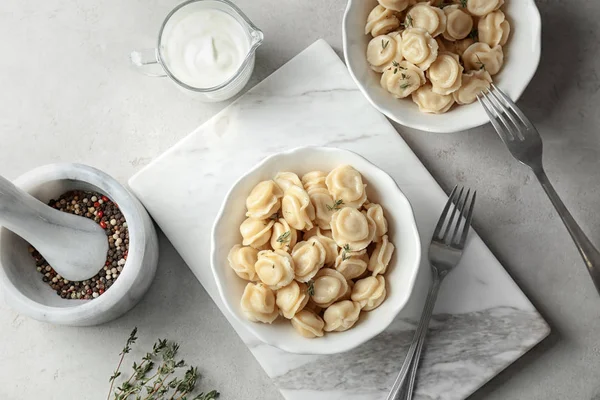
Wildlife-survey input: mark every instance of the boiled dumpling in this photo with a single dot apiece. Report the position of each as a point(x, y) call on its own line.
point(352, 230)
point(375, 211)
point(425, 16)
point(380, 52)
point(264, 200)
point(419, 47)
point(314, 180)
point(341, 316)
point(242, 260)
point(258, 303)
point(396, 5)
point(291, 298)
point(473, 83)
point(346, 186)
point(403, 79)
point(284, 237)
point(309, 258)
point(328, 286)
point(381, 21)
point(480, 8)
point(481, 56)
point(275, 268)
point(431, 102)
point(369, 292)
point(324, 206)
point(445, 73)
point(256, 232)
point(330, 246)
point(297, 209)
point(352, 264)
point(381, 257)
point(286, 179)
point(494, 29)
point(459, 24)
point(308, 324)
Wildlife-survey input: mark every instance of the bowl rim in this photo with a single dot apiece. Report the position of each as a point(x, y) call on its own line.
point(342, 346)
point(466, 124)
point(88, 309)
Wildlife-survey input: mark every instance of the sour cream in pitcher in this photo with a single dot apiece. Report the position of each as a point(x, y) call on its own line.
point(203, 48)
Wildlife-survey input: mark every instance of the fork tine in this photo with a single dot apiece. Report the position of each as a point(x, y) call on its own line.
point(467, 226)
point(500, 111)
point(501, 132)
point(510, 114)
point(510, 104)
point(451, 220)
point(440, 223)
point(461, 216)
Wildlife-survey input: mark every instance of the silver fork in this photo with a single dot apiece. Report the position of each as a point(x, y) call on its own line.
point(445, 251)
point(525, 144)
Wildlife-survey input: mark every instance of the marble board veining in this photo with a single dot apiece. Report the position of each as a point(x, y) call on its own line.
point(482, 323)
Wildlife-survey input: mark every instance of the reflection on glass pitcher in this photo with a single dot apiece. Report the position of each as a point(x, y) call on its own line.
point(206, 47)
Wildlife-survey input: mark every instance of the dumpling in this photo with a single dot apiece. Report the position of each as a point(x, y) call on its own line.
point(423, 15)
point(473, 83)
point(314, 180)
point(480, 8)
point(352, 230)
point(369, 292)
point(258, 303)
point(431, 102)
point(330, 246)
point(346, 186)
point(242, 260)
point(402, 79)
point(341, 316)
point(309, 258)
point(297, 209)
point(291, 298)
point(375, 211)
point(308, 324)
point(286, 179)
point(324, 206)
point(419, 47)
point(328, 286)
point(381, 256)
point(494, 29)
point(456, 47)
point(381, 50)
point(396, 5)
point(283, 237)
point(445, 73)
point(264, 200)
point(381, 21)
point(459, 24)
point(481, 56)
point(352, 264)
point(256, 232)
point(275, 268)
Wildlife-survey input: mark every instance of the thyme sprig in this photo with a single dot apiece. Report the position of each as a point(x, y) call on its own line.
point(336, 205)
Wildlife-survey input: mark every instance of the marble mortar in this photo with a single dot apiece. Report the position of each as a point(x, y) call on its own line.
point(20, 283)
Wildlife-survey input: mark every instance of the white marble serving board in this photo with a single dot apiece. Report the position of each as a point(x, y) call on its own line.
point(482, 321)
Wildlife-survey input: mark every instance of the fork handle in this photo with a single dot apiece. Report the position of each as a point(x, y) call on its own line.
point(588, 252)
point(404, 382)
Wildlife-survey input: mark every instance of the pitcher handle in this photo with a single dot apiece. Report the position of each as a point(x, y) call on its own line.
point(146, 61)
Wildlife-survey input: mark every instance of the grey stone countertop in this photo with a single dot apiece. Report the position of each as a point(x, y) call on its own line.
point(68, 94)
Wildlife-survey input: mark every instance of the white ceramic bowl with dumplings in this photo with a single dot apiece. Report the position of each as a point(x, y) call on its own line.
point(522, 57)
point(400, 276)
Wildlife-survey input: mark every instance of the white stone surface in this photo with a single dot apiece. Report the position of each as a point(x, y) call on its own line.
point(68, 94)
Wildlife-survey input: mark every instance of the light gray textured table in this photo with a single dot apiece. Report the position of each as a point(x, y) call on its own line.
point(68, 94)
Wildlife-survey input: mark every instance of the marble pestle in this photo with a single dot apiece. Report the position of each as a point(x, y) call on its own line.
point(74, 246)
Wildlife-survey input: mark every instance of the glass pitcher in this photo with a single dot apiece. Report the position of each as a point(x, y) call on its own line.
point(152, 62)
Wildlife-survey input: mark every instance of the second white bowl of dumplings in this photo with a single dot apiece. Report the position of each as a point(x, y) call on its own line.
point(522, 58)
point(402, 270)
